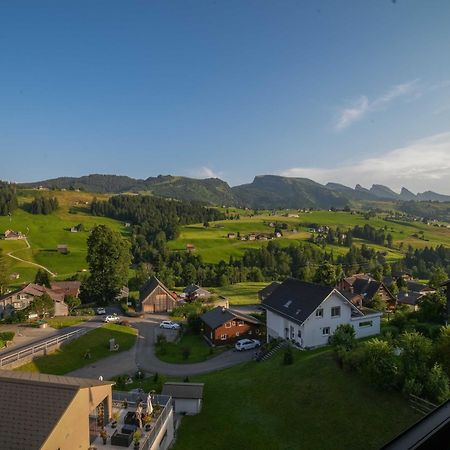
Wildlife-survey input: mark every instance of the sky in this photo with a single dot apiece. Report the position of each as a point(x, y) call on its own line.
point(342, 91)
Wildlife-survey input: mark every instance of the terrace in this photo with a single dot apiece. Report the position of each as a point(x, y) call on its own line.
point(157, 428)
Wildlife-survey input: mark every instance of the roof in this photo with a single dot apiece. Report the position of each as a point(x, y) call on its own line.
point(297, 299)
point(264, 292)
point(409, 298)
point(191, 288)
point(151, 284)
point(33, 404)
point(183, 390)
point(69, 287)
point(218, 316)
point(37, 290)
point(418, 287)
point(365, 286)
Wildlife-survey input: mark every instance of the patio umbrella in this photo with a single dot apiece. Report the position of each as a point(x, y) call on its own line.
point(149, 404)
point(138, 415)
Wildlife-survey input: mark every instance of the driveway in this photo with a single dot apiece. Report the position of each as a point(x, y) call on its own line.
point(142, 356)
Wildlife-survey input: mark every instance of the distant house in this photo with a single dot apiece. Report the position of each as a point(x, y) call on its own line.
point(231, 235)
point(74, 229)
point(155, 297)
point(223, 326)
point(124, 292)
point(190, 248)
point(194, 292)
point(71, 288)
point(11, 235)
point(22, 298)
point(127, 224)
point(308, 314)
point(187, 398)
point(360, 289)
point(251, 237)
point(14, 276)
point(63, 249)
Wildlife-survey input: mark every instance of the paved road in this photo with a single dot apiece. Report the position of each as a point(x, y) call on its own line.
point(142, 356)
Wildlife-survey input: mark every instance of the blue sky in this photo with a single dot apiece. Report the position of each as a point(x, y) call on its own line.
point(347, 91)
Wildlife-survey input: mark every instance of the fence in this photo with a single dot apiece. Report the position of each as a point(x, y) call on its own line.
point(39, 349)
point(421, 405)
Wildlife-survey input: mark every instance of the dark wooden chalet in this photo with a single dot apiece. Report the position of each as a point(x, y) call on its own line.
point(155, 297)
point(223, 326)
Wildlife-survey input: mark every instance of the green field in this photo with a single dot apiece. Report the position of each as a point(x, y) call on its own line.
point(72, 356)
point(309, 405)
point(213, 245)
point(45, 232)
point(241, 293)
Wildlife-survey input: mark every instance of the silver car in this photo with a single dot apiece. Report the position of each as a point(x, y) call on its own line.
point(246, 344)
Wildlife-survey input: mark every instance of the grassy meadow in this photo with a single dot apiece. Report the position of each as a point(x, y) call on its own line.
point(308, 405)
point(212, 242)
point(45, 232)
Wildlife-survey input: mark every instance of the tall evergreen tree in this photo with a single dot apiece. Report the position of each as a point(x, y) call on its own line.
point(108, 258)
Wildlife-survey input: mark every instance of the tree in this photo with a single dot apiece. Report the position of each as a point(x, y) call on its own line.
point(326, 274)
point(343, 337)
point(438, 277)
point(432, 308)
point(44, 306)
point(437, 387)
point(72, 302)
point(108, 258)
point(42, 278)
point(415, 356)
point(378, 303)
point(5, 272)
point(442, 349)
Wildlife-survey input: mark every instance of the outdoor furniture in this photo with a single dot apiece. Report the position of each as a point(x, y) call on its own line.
point(121, 439)
point(130, 418)
point(129, 429)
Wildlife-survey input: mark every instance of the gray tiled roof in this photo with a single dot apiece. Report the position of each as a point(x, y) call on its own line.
point(183, 390)
point(219, 315)
point(32, 404)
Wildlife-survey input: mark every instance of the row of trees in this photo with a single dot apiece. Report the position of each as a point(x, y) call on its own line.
point(42, 205)
point(8, 198)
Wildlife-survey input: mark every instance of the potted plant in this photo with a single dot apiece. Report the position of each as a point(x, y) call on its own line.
point(147, 420)
point(157, 410)
point(136, 439)
point(115, 418)
point(104, 435)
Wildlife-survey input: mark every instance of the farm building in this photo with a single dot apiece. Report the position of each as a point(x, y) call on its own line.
point(155, 297)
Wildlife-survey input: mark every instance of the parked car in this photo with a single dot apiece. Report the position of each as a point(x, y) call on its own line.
point(169, 325)
point(101, 311)
point(112, 318)
point(246, 344)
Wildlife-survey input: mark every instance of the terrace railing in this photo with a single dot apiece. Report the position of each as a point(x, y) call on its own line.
point(40, 348)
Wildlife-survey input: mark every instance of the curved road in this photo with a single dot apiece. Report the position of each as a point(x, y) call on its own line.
point(142, 356)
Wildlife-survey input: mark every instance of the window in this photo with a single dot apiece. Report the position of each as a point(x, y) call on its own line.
point(335, 311)
point(319, 312)
point(257, 331)
point(326, 331)
point(223, 337)
point(237, 333)
point(299, 333)
point(241, 323)
point(17, 305)
point(233, 323)
point(228, 325)
point(367, 323)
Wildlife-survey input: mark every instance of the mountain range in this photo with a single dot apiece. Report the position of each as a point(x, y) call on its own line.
point(264, 192)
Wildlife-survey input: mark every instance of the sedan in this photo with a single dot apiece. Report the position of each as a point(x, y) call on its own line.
point(101, 311)
point(113, 318)
point(169, 325)
point(246, 344)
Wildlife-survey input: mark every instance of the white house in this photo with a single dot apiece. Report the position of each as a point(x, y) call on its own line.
point(308, 314)
point(187, 398)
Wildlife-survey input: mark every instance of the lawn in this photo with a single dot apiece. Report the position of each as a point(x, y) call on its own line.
point(241, 293)
point(309, 405)
point(64, 322)
point(72, 356)
point(199, 350)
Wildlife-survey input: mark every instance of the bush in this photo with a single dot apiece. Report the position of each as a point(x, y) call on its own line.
point(288, 357)
point(343, 337)
point(390, 332)
point(437, 388)
point(431, 331)
point(412, 387)
point(186, 352)
point(7, 336)
point(194, 323)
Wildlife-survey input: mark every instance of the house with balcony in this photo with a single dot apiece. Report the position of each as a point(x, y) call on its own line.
point(307, 314)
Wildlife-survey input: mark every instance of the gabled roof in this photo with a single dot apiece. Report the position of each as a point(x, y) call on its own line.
point(69, 287)
point(183, 390)
point(36, 290)
point(297, 299)
point(218, 316)
point(151, 284)
point(32, 405)
point(266, 291)
point(192, 288)
point(409, 298)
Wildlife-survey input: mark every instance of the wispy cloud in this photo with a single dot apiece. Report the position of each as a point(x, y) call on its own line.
point(363, 106)
point(205, 172)
point(420, 165)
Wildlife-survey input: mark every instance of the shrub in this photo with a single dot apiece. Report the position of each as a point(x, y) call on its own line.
point(288, 357)
point(437, 388)
point(194, 323)
point(442, 349)
point(415, 356)
point(186, 352)
point(343, 337)
point(390, 332)
point(411, 386)
point(7, 336)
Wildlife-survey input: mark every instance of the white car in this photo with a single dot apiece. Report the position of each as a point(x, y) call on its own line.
point(246, 344)
point(111, 318)
point(169, 325)
point(101, 311)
